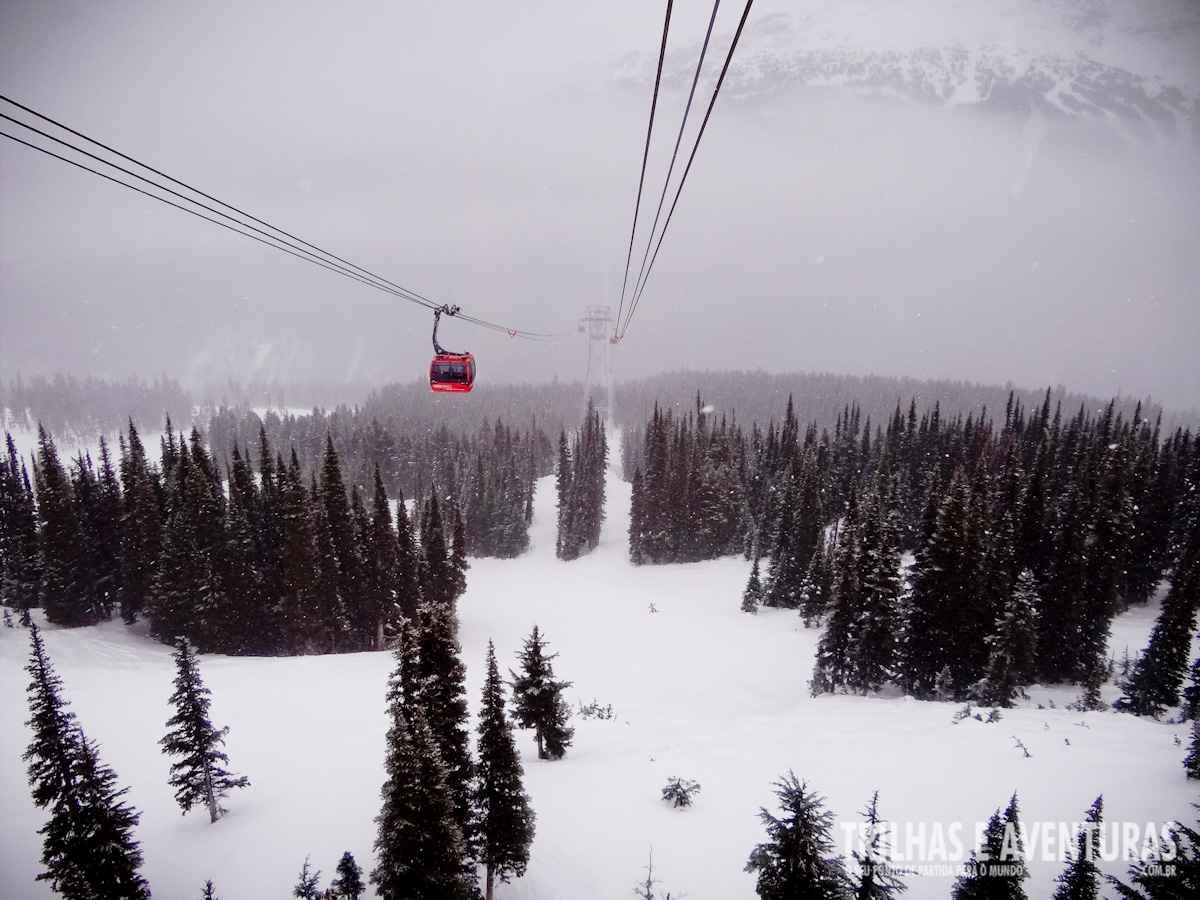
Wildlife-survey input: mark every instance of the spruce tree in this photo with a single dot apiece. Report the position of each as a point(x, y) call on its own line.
point(1013, 646)
point(505, 821)
point(380, 554)
point(436, 573)
point(458, 555)
point(815, 588)
point(66, 592)
point(408, 563)
point(1177, 880)
point(404, 684)
point(944, 585)
point(787, 564)
point(199, 777)
point(307, 887)
point(209, 892)
point(1158, 675)
point(341, 565)
point(752, 596)
point(876, 879)
point(419, 847)
point(1191, 695)
point(102, 523)
point(1065, 595)
point(832, 670)
point(88, 851)
point(297, 564)
point(795, 861)
point(51, 754)
point(873, 652)
point(1191, 762)
point(20, 556)
point(637, 519)
point(996, 870)
point(537, 699)
point(442, 695)
point(349, 884)
point(1081, 880)
point(563, 548)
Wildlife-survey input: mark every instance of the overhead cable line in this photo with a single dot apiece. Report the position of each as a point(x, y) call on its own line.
point(675, 153)
point(417, 298)
point(662, 52)
point(716, 90)
point(185, 209)
point(267, 238)
point(288, 243)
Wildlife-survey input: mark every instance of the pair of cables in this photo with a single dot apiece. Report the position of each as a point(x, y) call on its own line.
point(648, 258)
point(153, 183)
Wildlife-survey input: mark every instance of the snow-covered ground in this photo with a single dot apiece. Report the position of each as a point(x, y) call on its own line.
point(700, 690)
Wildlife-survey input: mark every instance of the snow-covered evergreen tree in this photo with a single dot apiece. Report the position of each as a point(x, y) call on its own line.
point(88, 848)
point(66, 590)
point(505, 819)
point(1011, 664)
point(581, 487)
point(1178, 880)
point(200, 777)
point(752, 595)
point(795, 860)
point(831, 672)
point(815, 588)
point(442, 696)
point(945, 586)
point(538, 701)
point(348, 885)
point(876, 879)
point(20, 557)
point(1191, 762)
point(996, 870)
point(1158, 675)
point(308, 885)
point(51, 753)
point(1081, 880)
point(873, 651)
point(419, 847)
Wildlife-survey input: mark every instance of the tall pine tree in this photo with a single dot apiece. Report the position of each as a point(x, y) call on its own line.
point(419, 847)
point(1081, 880)
point(88, 851)
point(199, 777)
point(538, 701)
point(505, 817)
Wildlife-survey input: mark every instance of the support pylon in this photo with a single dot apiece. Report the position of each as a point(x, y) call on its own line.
point(595, 322)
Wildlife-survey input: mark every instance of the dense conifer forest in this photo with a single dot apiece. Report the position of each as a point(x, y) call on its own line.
point(1043, 524)
point(256, 553)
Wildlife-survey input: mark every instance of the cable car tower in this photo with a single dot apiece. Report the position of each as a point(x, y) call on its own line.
point(595, 322)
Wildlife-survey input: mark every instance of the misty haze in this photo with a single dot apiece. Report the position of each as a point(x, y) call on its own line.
point(847, 544)
point(990, 193)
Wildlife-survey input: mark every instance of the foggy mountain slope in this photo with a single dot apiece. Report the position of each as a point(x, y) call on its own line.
point(1135, 64)
point(945, 189)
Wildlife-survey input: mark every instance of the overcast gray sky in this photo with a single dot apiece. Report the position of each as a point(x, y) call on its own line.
point(487, 154)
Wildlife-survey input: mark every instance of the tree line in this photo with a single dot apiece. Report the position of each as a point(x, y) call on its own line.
point(582, 461)
point(935, 551)
point(254, 555)
point(90, 406)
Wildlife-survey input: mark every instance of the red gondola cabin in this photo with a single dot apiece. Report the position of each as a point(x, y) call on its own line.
point(452, 373)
